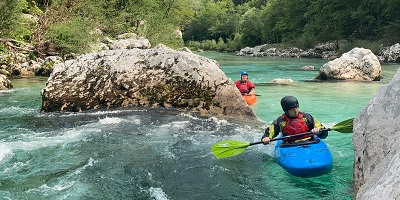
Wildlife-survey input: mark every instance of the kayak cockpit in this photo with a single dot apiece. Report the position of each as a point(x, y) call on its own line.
point(304, 159)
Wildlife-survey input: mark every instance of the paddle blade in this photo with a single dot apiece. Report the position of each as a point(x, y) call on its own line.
point(344, 126)
point(229, 148)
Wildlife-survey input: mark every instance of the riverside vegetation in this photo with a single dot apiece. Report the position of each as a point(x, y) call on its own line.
point(41, 28)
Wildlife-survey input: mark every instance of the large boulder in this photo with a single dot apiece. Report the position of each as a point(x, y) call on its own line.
point(5, 84)
point(376, 145)
point(359, 64)
point(159, 77)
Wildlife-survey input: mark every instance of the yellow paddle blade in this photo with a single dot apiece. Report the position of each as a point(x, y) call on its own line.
point(228, 148)
point(345, 126)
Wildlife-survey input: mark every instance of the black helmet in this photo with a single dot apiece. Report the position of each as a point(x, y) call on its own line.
point(289, 102)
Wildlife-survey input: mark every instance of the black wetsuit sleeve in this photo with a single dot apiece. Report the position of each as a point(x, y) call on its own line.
point(266, 133)
point(273, 130)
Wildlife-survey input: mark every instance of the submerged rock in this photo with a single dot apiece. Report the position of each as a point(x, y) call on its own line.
point(146, 78)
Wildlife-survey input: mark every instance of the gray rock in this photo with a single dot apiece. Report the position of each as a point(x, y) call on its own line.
point(159, 77)
point(376, 145)
point(359, 64)
point(391, 54)
point(5, 84)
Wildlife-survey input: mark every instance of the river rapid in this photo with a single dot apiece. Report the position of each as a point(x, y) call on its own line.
point(139, 153)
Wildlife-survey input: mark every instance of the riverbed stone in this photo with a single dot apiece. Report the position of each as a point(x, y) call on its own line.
point(157, 77)
point(5, 84)
point(358, 64)
point(391, 54)
point(376, 145)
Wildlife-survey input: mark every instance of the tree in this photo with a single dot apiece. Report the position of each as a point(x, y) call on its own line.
point(330, 19)
point(272, 19)
point(12, 22)
point(213, 21)
point(251, 28)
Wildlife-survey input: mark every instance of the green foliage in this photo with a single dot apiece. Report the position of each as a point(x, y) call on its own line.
point(251, 28)
point(218, 25)
point(221, 46)
point(335, 25)
point(164, 34)
point(33, 8)
point(346, 46)
point(2, 49)
point(208, 45)
point(214, 20)
point(73, 35)
point(13, 24)
point(303, 22)
point(306, 41)
point(46, 69)
point(392, 33)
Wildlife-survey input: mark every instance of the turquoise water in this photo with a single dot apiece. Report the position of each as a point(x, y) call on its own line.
point(161, 154)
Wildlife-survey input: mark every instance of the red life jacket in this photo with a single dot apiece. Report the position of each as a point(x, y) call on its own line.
point(294, 126)
point(242, 86)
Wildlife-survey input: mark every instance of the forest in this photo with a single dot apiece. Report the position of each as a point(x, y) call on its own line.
point(218, 25)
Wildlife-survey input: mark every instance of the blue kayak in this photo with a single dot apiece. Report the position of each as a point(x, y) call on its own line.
point(304, 159)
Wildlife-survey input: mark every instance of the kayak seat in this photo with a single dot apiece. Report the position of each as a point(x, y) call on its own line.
point(311, 141)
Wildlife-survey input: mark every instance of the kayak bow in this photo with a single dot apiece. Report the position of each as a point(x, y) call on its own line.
point(306, 159)
point(250, 99)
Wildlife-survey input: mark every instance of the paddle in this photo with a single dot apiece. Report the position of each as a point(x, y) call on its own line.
point(229, 148)
point(245, 94)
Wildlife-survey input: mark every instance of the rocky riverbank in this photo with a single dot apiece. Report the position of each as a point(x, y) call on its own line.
point(328, 51)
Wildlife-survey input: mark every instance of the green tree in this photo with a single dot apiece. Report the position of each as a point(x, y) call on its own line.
point(251, 28)
point(391, 14)
point(271, 16)
point(213, 21)
point(368, 19)
point(12, 22)
point(330, 19)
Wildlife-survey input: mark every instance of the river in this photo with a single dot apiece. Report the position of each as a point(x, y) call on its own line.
point(139, 153)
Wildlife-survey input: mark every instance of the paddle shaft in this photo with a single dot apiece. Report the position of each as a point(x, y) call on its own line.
point(289, 136)
point(246, 94)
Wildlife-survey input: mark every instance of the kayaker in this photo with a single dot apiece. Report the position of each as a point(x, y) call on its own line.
point(293, 122)
point(244, 85)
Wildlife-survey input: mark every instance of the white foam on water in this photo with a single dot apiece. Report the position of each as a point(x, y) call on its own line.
point(16, 111)
point(65, 184)
point(176, 124)
point(158, 194)
point(45, 188)
point(16, 166)
point(34, 140)
point(104, 112)
point(111, 120)
point(134, 120)
point(210, 119)
point(5, 152)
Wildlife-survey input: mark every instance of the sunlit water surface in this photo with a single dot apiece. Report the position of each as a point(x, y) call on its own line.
point(139, 153)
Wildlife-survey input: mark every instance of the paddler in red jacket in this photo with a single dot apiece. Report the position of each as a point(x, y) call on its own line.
point(244, 85)
point(293, 122)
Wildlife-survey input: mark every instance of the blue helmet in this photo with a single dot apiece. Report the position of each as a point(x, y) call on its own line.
point(243, 73)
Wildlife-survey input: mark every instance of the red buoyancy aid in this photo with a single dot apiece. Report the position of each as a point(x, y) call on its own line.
point(295, 126)
point(242, 86)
